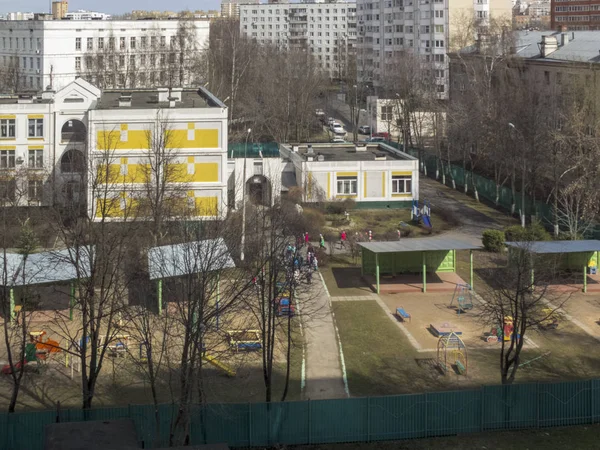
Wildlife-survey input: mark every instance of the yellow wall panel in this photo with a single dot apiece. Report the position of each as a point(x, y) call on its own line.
point(111, 140)
point(177, 173)
point(201, 139)
point(109, 208)
point(110, 176)
point(347, 174)
point(206, 206)
point(206, 172)
point(137, 173)
point(403, 173)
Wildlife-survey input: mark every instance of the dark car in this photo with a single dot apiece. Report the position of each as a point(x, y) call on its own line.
point(383, 134)
point(364, 129)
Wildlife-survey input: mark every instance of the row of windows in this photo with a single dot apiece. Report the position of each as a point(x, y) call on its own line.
point(303, 10)
point(102, 43)
point(349, 185)
point(8, 190)
point(22, 43)
point(425, 15)
point(8, 128)
point(8, 160)
point(279, 19)
point(121, 60)
point(22, 62)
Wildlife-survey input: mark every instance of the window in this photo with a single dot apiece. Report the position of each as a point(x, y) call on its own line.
point(121, 43)
point(90, 43)
point(36, 159)
point(387, 112)
point(347, 186)
point(78, 63)
point(7, 128)
point(144, 41)
point(7, 189)
point(163, 41)
point(132, 42)
point(7, 159)
point(111, 43)
point(36, 128)
point(34, 190)
point(100, 43)
point(121, 60)
point(77, 43)
point(401, 184)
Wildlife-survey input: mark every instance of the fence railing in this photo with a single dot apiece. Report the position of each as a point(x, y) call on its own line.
point(342, 420)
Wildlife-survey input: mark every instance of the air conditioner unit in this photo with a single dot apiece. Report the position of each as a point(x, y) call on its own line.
point(37, 51)
point(37, 71)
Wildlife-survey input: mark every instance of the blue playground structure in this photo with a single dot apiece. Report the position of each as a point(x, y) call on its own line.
point(463, 297)
point(421, 214)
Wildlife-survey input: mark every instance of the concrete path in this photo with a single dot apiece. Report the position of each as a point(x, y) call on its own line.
point(324, 363)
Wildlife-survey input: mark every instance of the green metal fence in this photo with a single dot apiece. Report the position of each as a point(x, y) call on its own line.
point(344, 420)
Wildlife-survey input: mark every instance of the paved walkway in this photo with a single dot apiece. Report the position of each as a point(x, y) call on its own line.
point(324, 365)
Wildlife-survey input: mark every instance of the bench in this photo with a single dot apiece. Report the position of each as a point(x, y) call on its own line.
point(461, 369)
point(402, 314)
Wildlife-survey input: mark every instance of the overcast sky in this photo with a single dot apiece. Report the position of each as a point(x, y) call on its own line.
point(109, 6)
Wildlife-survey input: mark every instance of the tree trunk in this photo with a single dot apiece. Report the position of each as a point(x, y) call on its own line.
point(513, 188)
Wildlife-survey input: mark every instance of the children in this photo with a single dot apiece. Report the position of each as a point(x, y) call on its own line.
point(343, 239)
point(321, 241)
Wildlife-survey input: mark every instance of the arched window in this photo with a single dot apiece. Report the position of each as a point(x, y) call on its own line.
point(73, 131)
point(72, 161)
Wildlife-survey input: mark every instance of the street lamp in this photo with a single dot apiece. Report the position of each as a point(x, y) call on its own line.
point(244, 198)
point(357, 116)
point(512, 125)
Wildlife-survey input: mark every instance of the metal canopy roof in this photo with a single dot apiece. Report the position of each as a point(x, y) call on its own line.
point(418, 245)
point(541, 247)
point(191, 257)
point(45, 267)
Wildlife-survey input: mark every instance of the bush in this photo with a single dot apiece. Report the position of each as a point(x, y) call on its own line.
point(339, 207)
point(313, 222)
point(533, 232)
point(493, 240)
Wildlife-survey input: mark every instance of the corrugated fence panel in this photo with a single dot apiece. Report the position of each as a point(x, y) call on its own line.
point(27, 430)
point(343, 420)
point(453, 412)
point(281, 423)
point(506, 407)
point(568, 403)
point(397, 417)
point(223, 423)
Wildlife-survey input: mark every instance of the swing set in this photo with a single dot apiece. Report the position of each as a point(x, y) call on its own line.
point(463, 297)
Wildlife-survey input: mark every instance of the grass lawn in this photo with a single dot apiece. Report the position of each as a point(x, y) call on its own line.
point(379, 359)
point(575, 438)
point(342, 277)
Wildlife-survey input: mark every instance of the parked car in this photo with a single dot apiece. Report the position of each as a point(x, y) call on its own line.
point(383, 134)
point(319, 112)
point(364, 129)
point(338, 140)
point(338, 129)
point(334, 124)
point(330, 120)
point(375, 139)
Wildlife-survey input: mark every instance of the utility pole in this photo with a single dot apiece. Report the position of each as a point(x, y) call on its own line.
point(244, 198)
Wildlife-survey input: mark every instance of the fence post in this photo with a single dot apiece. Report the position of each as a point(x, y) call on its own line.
point(368, 419)
point(592, 402)
point(309, 422)
point(426, 417)
point(249, 424)
point(537, 394)
point(482, 403)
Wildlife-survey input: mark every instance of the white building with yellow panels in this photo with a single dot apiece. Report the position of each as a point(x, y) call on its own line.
point(372, 174)
point(188, 128)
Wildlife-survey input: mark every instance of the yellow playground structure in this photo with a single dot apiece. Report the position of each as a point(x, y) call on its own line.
point(219, 365)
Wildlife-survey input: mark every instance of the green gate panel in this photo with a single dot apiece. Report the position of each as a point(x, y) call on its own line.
point(409, 262)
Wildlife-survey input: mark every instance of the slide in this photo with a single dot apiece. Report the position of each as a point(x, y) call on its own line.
point(219, 365)
point(427, 221)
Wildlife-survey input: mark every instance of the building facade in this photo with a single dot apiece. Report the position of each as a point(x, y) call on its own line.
point(325, 29)
point(389, 28)
point(91, 149)
point(60, 9)
point(575, 14)
point(374, 174)
point(82, 14)
point(115, 54)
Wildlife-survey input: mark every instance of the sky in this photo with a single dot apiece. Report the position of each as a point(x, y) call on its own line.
point(109, 6)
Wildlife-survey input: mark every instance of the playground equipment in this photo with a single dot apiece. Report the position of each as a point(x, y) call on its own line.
point(244, 340)
point(218, 364)
point(443, 329)
point(452, 351)
point(463, 296)
point(30, 356)
point(421, 214)
point(552, 319)
point(504, 332)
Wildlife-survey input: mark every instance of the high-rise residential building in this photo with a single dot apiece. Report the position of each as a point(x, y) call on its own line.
point(575, 14)
point(19, 15)
point(60, 9)
point(231, 8)
point(389, 28)
point(110, 54)
point(326, 30)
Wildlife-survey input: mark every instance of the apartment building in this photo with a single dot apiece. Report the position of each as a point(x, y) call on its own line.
point(63, 148)
point(575, 14)
point(388, 28)
point(82, 14)
point(231, 8)
point(117, 54)
point(325, 29)
point(60, 9)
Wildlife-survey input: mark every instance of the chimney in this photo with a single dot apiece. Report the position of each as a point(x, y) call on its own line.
point(360, 147)
point(564, 39)
point(48, 94)
point(295, 148)
point(172, 102)
point(380, 156)
point(309, 150)
point(125, 101)
point(176, 94)
point(320, 157)
point(548, 46)
point(163, 95)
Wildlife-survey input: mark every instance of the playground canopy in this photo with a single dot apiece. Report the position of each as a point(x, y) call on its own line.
point(177, 260)
point(576, 254)
point(413, 255)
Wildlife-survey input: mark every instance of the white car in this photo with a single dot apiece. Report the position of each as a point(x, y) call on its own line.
point(339, 130)
point(338, 140)
point(334, 124)
point(330, 121)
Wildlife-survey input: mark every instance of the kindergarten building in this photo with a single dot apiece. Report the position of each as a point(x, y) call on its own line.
point(372, 174)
